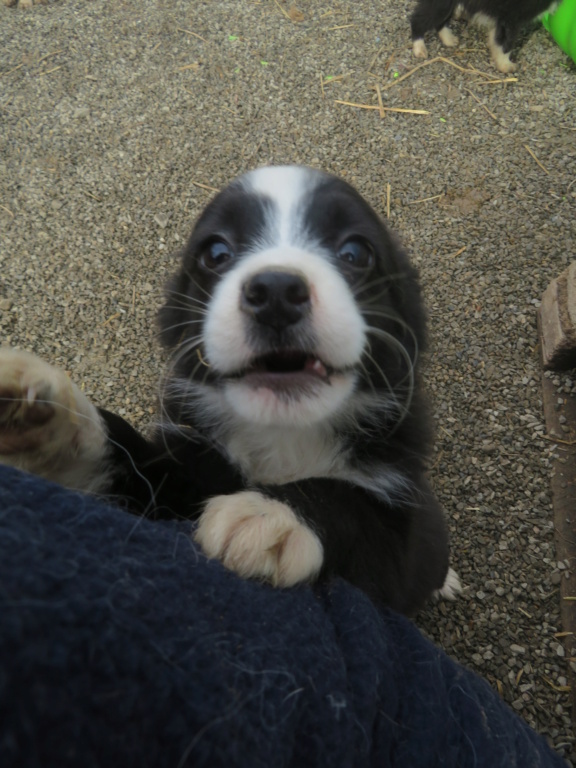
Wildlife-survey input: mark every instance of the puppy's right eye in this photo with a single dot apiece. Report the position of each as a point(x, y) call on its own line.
point(356, 253)
point(216, 255)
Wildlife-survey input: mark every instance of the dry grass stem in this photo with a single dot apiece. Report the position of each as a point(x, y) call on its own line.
point(434, 61)
point(11, 70)
point(3, 207)
point(283, 11)
point(492, 115)
point(380, 104)
point(49, 71)
point(531, 153)
point(204, 186)
point(498, 82)
point(194, 34)
point(425, 199)
point(47, 56)
point(386, 109)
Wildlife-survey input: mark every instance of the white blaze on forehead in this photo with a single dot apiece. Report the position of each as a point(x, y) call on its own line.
point(286, 186)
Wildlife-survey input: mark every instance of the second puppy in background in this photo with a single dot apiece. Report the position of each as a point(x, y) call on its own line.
point(502, 18)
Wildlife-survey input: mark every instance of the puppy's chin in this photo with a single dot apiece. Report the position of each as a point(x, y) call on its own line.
point(288, 400)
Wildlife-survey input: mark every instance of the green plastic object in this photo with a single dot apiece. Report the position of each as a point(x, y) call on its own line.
point(562, 26)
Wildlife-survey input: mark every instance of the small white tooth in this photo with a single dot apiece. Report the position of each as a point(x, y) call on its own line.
point(31, 395)
point(319, 367)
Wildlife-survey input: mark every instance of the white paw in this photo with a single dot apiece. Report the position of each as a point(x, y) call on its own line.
point(419, 49)
point(503, 64)
point(47, 426)
point(259, 538)
point(447, 37)
point(500, 59)
point(451, 588)
point(20, 3)
point(459, 12)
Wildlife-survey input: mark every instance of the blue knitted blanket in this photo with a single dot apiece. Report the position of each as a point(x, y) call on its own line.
point(121, 646)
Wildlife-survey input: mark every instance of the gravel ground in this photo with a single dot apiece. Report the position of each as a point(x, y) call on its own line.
point(119, 118)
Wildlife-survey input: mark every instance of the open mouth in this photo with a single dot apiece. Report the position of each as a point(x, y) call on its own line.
point(287, 369)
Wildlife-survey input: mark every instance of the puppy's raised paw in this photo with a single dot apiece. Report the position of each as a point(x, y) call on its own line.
point(24, 3)
point(261, 538)
point(21, 3)
point(47, 425)
point(451, 588)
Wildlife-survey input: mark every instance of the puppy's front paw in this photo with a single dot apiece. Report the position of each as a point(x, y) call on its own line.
point(451, 588)
point(47, 426)
point(258, 537)
point(419, 49)
point(21, 3)
point(447, 37)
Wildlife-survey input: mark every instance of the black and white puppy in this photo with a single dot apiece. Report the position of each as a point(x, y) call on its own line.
point(503, 19)
point(293, 426)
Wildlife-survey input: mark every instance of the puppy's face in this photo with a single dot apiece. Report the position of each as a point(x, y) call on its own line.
point(291, 299)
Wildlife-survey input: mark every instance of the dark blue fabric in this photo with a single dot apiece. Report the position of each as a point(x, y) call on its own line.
point(120, 646)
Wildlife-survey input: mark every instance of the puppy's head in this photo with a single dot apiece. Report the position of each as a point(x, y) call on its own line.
point(293, 304)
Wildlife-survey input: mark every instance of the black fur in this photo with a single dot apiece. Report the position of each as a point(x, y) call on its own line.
point(509, 16)
point(391, 544)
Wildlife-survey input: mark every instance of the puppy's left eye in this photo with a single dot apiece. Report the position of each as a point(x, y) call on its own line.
point(216, 255)
point(356, 254)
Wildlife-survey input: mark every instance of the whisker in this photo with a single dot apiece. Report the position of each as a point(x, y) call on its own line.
point(400, 406)
point(382, 280)
point(183, 324)
point(402, 323)
point(197, 284)
point(394, 343)
point(186, 304)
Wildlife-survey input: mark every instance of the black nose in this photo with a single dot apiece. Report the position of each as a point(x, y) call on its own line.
point(277, 299)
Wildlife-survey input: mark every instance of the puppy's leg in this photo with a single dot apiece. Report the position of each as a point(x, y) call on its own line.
point(47, 426)
point(459, 12)
point(447, 37)
point(500, 41)
point(451, 588)
point(259, 537)
point(426, 18)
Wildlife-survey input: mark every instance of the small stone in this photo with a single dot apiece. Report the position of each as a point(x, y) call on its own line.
point(162, 219)
point(516, 649)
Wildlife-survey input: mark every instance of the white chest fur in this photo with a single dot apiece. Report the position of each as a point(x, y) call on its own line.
point(274, 455)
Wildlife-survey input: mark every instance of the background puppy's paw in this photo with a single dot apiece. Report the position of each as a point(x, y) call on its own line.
point(258, 537)
point(47, 426)
point(419, 49)
point(451, 588)
point(447, 37)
